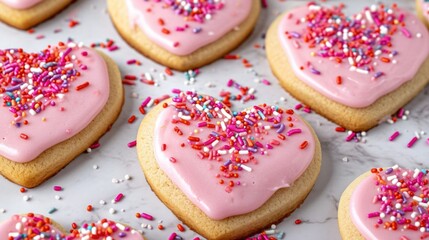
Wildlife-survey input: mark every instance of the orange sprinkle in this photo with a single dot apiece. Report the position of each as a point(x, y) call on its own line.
point(165, 31)
point(180, 227)
point(339, 80)
point(89, 208)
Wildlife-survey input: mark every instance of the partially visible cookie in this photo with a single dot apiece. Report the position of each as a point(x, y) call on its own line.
point(225, 174)
point(35, 226)
point(353, 70)
point(56, 104)
point(31, 226)
point(422, 8)
point(386, 203)
point(183, 36)
point(24, 14)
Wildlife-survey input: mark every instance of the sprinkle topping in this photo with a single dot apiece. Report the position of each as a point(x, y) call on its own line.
point(362, 41)
point(194, 10)
point(32, 226)
point(32, 82)
point(233, 139)
point(403, 198)
point(102, 229)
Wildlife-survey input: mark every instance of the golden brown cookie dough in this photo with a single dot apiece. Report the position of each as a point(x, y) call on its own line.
point(279, 206)
point(203, 56)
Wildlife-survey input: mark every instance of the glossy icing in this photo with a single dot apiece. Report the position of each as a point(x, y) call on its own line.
point(357, 89)
point(70, 115)
point(231, 14)
point(199, 179)
point(425, 8)
point(362, 203)
point(20, 4)
point(33, 226)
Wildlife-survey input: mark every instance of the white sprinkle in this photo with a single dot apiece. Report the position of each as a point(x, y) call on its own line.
point(102, 202)
point(57, 197)
point(2, 210)
point(148, 76)
point(418, 199)
point(26, 198)
point(127, 177)
point(112, 211)
point(345, 159)
point(243, 152)
point(245, 168)
point(95, 167)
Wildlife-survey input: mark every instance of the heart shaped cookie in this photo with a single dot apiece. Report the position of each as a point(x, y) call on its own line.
point(353, 70)
point(386, 204)
point(227, 174)
point(36, 226)
point(184, 34)
point(423, 11)
point(56, 103)
point(24, 14)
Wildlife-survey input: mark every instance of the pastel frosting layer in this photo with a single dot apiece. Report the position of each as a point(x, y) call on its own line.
point(20, 4)
point(60, 98)
point(177, 31)
point(425, 8)
point(353, 60)
point(230, 163)
point(392, 204)
point(29, 226)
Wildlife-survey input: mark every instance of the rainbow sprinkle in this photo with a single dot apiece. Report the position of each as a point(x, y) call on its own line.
point(193, 10)
point(102, 229)
point(403, 198)
point(360, 41)
point(234, 142)
point(32, 82)
point(31, 226)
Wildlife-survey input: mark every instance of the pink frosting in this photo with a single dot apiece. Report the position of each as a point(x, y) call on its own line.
point(19, 224)
point(361, 204)
point(357, 89)
point(425, 8)
point(20, 4)
point(233, 13)
point(58, 123)
point(277, 168)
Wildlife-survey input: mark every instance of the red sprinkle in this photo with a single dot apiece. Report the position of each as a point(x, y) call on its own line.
point(132, 119)
point(23, 136)
point(82, 86)
point(298, 221)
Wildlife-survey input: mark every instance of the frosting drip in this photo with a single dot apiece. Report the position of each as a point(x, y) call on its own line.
point(51, 101)
point(181, 31)
point(392, 204)
point(354, 61)
point(220, 159)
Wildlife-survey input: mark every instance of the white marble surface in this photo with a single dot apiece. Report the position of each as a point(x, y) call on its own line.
point(85, 185)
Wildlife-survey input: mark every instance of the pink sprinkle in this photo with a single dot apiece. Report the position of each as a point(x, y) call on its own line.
point(40, 36)
point(173, 160)
point(266, 82)
point(202, 124)
point(172, 236)
point(298, 106)
point(411, 143)
point(427, 141)
point(119, 197)
point(95, 145)
point(146, 216)
point(350, 137)
point(307, 110)
point(406, 32)
point(230, 83)
point(176, 44)
point(176, 91)
point(196, 238)
point(293, 131)
point(394, 135)
point(132, 61)
point(264, 3)
point(401, 112)
point(58, 188)
point(132, 144)
point(113, 48)
point(145, 102)
point(84, 53)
